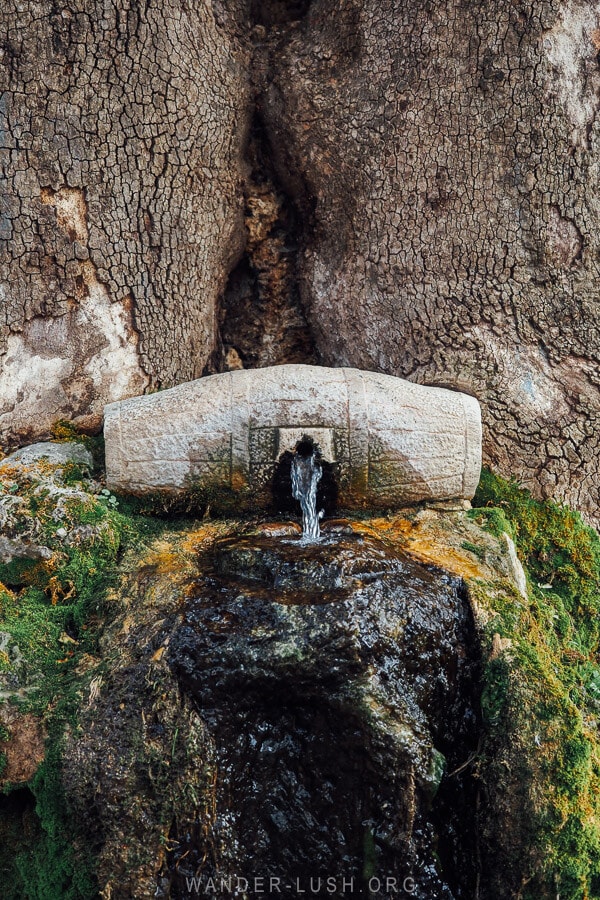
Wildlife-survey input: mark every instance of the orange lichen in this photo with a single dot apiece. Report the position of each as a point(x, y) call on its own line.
point(195, 540)
point(421, 540)
point(163, 558)
point(58, 591)
point(238, 481)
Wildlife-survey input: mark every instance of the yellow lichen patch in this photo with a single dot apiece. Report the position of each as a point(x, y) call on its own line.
point(112, 596)
point(163, 558)
point(63, 431)
point(454, 561)
point(193, 541)
point(173, 554)
point(158, 655)
point(238, 481)
point(426, 539)
point(127, 624)
point(25, 475)
point(58, 591)
point(396, 526)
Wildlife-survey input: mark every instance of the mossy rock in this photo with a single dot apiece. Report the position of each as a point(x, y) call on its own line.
point(539, 760)
point(541, 696)
point(51, 612)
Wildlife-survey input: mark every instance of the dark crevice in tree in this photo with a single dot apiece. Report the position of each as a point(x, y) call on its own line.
point(257, 17)
point(278, 12)
point(262, 321)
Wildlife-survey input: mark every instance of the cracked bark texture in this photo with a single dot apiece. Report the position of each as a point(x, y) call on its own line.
point(442, 161)
point(446, 157)
point(121, 157)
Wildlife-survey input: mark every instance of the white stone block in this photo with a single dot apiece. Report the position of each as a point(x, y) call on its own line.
point(392, 442)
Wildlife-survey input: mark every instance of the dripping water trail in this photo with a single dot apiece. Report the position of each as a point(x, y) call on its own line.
point(306, 474)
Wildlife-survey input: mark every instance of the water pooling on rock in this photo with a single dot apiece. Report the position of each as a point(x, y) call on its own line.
point(306, 472)
point(336, 684)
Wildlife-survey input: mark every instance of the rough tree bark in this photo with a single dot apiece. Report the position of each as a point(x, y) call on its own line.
point(448, 155)
point(123, 128)
point(441, 160)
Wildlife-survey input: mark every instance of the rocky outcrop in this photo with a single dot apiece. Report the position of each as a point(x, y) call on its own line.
point(304, 664)
point(53, 452)
point(390, 442)
point(265, 709)
point(222, 701)
point(325, 692)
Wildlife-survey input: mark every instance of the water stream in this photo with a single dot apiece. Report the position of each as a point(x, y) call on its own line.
point(306, 473)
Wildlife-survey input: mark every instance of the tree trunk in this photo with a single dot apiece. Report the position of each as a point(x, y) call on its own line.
point(446, 158)
point(122, 135)
point(425, 197)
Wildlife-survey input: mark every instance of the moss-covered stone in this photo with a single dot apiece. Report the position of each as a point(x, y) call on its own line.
point(76, 621)
point(541, 694)
point(51, 606)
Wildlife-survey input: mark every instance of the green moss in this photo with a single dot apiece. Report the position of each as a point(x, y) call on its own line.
point(492, 519)
point(161, 505)
point(495, 691)
point(554, 543)
point(65, 431)
point(477, 551)
point(543, 692)
point(196, 500)
point(59, 864)
point(53, 610)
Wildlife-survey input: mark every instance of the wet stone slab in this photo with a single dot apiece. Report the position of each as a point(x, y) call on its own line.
point(336, 682)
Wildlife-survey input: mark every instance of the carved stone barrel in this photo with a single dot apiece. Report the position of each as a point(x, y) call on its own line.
point(393, 443)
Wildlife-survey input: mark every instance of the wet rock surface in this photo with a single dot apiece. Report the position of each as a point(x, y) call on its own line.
point(264, 709)
point(314, 573)
point(337, 685)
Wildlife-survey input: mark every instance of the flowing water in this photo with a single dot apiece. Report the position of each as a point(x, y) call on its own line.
point(335, 678)
point(306, 474)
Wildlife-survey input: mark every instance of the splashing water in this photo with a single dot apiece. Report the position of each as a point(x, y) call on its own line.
point(306, 474)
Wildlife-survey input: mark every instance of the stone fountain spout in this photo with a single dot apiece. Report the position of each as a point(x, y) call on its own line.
point(392, 443)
